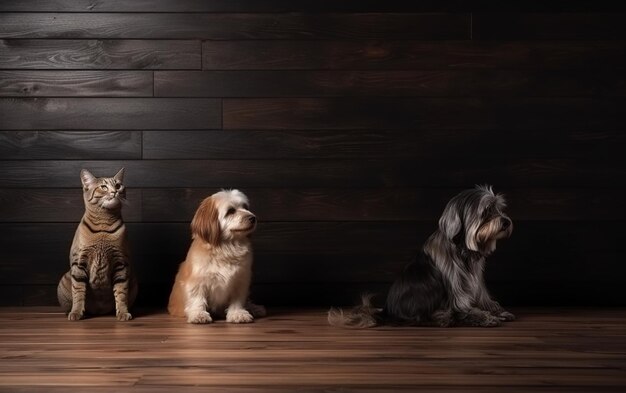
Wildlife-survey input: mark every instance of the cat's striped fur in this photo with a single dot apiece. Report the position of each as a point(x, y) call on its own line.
point(100, 279)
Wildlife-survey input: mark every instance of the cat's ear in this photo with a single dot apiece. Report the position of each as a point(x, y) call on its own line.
point(87, 178)
point(119, 176)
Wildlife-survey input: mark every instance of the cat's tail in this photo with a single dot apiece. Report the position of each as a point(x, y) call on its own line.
point(360, 317)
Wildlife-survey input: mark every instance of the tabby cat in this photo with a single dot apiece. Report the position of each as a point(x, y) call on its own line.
point(100, 276)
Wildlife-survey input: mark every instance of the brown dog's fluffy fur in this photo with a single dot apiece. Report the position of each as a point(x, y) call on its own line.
point(215, 277)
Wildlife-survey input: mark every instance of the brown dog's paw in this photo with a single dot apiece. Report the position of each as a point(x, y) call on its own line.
point(200, 318)
point(239, 316)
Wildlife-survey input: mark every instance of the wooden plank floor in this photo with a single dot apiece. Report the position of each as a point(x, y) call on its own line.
point(551, 350)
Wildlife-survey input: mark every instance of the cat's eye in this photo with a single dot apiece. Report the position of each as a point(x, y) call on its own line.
point(103, 187)
point(230, 211)
point(118, 186)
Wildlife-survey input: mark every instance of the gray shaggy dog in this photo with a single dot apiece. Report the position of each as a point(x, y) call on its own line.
point(444, 284)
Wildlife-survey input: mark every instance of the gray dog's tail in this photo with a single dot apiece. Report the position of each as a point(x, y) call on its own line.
point(363, 316)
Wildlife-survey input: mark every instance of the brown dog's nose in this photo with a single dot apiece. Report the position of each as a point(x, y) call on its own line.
point(252, 219)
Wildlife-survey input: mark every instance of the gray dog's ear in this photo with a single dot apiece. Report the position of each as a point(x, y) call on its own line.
point(450, 221)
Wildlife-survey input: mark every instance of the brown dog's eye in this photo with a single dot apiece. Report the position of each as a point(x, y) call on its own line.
point(245, 206)
point(230, 211)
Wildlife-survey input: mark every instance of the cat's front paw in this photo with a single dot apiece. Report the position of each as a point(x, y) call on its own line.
point(75, 316)
point(200, 318)
point(239, 316)
point(123, 316)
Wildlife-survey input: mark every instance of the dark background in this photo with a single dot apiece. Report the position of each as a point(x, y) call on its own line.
point(348, 123)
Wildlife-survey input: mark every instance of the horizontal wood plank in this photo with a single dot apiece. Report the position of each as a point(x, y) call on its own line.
point(324, 174)
point(359, 144)
point(38, 205)
point(214, 6)
point(387, 204)
point(13, 295)
point(445, 83)
point(76, 83)
point(109, 113)
point(79, 145)
point(99, 54)
point(411, 55)
point(320, 238)
point(549, 26)
point(420, 113)
point(302, 6)
point(235, 26)
point(311, 252)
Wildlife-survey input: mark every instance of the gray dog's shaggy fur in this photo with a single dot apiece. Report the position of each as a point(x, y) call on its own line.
point(444, 285)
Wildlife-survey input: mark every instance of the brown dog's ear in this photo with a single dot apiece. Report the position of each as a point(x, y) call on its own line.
point(206, 224)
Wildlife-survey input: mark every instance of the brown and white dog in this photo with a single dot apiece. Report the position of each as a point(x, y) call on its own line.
point(215, 276)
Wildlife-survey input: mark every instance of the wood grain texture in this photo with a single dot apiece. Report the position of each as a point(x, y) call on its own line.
point(303, 6)
point(79, 145)
point(339, 174)
point(445, 83)
point(108, 113)
point(411, 55)
point(386, 204)
point(556, 349)
point(99, 54)
point(215, 6)
point(76, 83)
point(235, 26)
point(414, 145)
point(420, 113)
point(549, 26)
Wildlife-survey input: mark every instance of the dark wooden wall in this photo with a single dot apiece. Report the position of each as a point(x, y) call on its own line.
point(348, 123)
